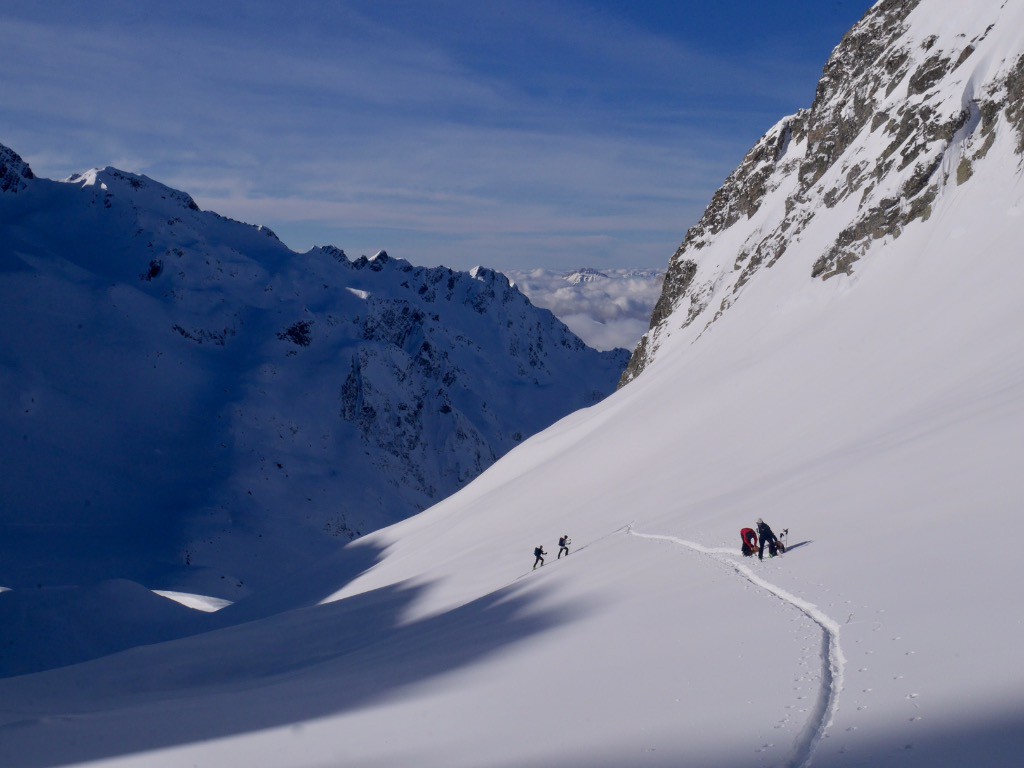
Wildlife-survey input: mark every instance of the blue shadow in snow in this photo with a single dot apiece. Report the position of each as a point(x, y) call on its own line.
point(791, 547)
point(287, 669)
point(50, 627)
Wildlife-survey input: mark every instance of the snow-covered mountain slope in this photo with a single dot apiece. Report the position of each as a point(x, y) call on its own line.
point(907, 110)
point(607, 309)
point(188, 403)
point(877, 415)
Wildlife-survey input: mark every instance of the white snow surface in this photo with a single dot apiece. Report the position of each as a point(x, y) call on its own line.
point(203, 603)
point(879, 417)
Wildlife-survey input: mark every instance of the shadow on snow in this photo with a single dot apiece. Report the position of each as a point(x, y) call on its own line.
point(791, 547)
point(49, 627)
point(286, 669)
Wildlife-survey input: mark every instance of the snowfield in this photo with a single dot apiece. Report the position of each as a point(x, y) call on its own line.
point(878, 415)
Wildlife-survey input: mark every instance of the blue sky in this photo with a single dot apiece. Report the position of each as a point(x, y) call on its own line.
point(511, 134)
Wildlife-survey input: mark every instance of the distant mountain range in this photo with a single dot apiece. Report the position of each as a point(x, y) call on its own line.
point(189, 403)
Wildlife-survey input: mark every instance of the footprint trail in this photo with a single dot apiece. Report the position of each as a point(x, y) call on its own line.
point(833, 661)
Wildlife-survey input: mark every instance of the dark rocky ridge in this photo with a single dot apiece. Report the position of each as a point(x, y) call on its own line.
point(13, 171)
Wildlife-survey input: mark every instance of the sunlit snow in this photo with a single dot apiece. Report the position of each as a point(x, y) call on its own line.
point(877, 416)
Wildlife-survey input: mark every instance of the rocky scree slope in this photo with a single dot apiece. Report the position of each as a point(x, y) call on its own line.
point(190, 404)
point(909, 103)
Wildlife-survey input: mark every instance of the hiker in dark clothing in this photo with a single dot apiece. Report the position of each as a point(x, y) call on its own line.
point(749, 539)
point(563, 545)
point(539, 554)
point(765, 534)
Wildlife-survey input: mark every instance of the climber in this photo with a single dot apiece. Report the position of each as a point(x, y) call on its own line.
point(563, 544)
point(539, 553)
point(765, 534)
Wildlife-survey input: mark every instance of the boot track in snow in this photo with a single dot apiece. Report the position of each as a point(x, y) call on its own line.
point(832, 659)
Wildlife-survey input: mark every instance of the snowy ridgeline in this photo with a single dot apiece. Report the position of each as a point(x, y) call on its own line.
point(608, 308)
point(190, 404)
point(876, 414)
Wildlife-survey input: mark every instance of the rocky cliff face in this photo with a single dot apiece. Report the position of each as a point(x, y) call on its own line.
point(910, 101)
point(13, 171)
point(189, 396)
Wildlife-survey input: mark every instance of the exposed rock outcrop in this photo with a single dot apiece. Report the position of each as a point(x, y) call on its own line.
point(899, 116)
point(14, 171)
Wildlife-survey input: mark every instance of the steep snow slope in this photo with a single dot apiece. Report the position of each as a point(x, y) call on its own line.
point(188, 403)
point(877, 414)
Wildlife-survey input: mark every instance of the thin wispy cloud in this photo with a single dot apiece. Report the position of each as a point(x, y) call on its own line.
point(432, 130)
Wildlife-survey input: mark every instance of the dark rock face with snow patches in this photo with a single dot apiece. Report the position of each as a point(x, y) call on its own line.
point(904, 109)
point(190, 404)
point(13, 171)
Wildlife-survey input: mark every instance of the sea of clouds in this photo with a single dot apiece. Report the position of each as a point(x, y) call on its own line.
point(607, 309)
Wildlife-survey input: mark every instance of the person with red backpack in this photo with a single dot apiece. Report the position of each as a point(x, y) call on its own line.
point(749, 539)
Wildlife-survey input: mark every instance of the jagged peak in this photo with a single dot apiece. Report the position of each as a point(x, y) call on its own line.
point(14, 171)
point(381, 261)
point(488, 275)
point(334, 252)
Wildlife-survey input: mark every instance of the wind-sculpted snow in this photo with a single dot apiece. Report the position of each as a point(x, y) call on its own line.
point(190, 404)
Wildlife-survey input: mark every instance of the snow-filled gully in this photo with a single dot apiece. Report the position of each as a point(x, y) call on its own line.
point(832, 659)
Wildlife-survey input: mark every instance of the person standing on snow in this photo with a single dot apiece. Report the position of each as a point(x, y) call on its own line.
point(539, 553)
point(749, 539)
point(563, 544)
point(765, 534)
